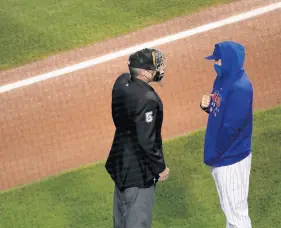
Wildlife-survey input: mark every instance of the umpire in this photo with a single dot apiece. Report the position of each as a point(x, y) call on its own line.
point(136, 161)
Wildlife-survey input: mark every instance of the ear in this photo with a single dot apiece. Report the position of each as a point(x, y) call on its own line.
point(142, 72)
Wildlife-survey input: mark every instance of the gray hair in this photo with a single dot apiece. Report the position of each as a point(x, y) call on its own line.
point(135, 72)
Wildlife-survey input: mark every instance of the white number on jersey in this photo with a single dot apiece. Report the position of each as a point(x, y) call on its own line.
point(148, 117)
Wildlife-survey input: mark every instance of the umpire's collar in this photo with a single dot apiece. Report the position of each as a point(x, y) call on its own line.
point(142, 83)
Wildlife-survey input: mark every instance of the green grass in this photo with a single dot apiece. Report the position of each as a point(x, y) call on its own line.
point(32, 29)
point(83, 198)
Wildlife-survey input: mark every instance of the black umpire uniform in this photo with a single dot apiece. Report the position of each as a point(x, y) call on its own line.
point(136, 158)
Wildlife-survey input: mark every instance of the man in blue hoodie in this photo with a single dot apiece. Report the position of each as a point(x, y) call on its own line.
point(228, 139)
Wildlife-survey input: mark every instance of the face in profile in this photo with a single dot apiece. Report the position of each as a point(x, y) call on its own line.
point(218, 62)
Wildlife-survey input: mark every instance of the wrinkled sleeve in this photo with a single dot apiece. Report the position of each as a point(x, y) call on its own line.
point(239, 104)
point(146, 133)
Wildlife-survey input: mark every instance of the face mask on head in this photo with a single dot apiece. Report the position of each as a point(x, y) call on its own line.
point(160, 65)
point(218, 69)
point(158, 77)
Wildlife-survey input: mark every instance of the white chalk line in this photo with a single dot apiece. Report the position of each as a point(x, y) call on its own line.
point(127, 51)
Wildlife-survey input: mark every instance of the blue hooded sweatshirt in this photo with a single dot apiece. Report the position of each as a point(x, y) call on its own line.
point(229, 129)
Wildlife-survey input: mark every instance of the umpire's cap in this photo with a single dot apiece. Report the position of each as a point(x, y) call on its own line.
point(143, 59)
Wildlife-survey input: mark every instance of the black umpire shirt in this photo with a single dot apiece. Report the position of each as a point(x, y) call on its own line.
point(136, 157)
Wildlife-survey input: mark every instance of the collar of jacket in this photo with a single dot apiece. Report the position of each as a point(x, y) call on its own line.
point(143, 83)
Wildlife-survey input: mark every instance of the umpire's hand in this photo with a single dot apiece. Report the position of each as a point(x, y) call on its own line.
point(164, 175)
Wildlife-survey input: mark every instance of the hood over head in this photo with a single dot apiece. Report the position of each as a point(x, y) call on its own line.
point(232, 57)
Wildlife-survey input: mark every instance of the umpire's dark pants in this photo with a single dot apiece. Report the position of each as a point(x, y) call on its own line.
point(132, 208)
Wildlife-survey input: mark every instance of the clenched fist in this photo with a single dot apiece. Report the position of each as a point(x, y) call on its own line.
point(206, 99)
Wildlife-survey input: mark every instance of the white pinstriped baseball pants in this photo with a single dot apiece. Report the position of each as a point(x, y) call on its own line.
point(232, 183)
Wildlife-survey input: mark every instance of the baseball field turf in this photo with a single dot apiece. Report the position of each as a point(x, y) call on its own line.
point(30, 31)
point(83, 198)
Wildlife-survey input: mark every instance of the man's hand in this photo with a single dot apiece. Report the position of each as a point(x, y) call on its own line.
point(206, 99)
point(164, 175)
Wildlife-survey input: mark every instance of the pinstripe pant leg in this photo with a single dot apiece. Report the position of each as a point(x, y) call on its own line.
point(232, 183)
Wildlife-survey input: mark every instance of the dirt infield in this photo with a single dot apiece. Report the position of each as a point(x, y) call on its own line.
point(65, 122)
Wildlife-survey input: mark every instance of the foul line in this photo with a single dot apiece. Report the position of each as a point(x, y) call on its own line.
point(127, 51)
